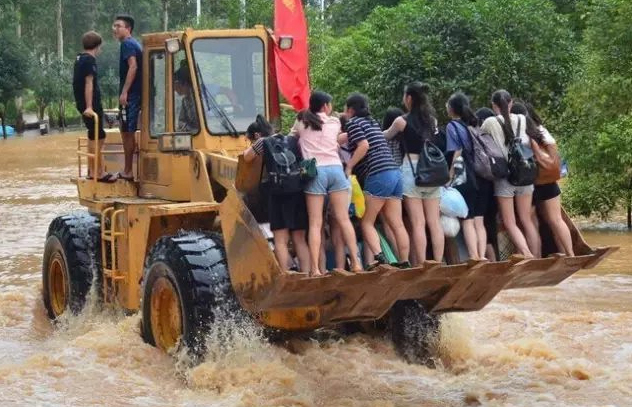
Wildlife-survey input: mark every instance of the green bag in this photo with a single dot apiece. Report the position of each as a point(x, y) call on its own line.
point(386, 249)
point(308, 169)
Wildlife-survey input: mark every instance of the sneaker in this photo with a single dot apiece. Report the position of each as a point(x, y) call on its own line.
point(402, 264)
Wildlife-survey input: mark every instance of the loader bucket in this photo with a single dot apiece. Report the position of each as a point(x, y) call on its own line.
point(295, 301)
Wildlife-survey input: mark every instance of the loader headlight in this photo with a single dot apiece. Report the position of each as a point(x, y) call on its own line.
point(286, 42)
point(175, 142)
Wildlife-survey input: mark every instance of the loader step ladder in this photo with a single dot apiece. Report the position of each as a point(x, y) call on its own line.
point(109, 236)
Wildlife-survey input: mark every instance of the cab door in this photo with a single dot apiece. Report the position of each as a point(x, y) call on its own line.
point(162, 175)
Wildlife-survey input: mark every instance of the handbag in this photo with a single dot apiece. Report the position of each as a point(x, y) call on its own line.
point(308, 169)
point(550, 167)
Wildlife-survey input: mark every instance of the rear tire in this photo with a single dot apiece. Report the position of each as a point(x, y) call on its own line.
point(186, 287)
point(413, 331)
point(72, 254)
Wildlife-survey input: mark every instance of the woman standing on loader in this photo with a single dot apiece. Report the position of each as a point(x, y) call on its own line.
point(287, 213)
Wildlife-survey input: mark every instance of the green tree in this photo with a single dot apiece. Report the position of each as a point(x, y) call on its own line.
point(14, 76)
point(597, 119)
point(453, 45)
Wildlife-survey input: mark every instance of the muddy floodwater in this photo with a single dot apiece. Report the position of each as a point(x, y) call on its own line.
point(569, 345)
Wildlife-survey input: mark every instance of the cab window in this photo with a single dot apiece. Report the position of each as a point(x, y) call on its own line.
point(157, 98)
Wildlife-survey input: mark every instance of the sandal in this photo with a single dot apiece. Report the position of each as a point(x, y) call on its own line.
point(107, 178)
point(119, 175)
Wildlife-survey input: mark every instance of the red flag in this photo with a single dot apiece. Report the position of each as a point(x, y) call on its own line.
point(292, 65)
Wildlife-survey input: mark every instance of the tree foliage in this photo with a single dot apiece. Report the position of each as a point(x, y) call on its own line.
point(453, 45)
point(598, 136)
point(14, 77)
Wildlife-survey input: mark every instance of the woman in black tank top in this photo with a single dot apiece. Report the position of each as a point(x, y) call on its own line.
point(421, 203)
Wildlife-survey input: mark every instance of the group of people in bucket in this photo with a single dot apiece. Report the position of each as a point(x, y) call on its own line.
point(403, 166)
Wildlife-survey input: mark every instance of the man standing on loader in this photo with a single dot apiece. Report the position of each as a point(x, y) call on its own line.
point(130, 72)
point(87, 94)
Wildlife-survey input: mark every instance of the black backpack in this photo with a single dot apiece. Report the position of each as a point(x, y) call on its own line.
point(523, 170)
point(282, 158)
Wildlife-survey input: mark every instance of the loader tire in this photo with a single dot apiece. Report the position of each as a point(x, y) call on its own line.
point(72, 256)
point(185, 289)
point(413, 331)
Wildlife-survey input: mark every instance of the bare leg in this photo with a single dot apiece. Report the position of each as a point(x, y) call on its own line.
point(315, 214)
point(338, 243)
point(469, 233)
point(431, 210)
point(393, 214)
point(129, 147)
point(523, 208)
point(481, 236)
point(553, 211)
point(302, 251)
point(415, 210)
point(388, 232)
point(281, 239)
point(506, 208)
point(339, 201)
point(373, 207)
point(490, 253)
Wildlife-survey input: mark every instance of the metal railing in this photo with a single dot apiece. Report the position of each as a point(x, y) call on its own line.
point(83, 151)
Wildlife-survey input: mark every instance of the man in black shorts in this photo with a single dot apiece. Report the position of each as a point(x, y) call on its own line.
point(85, 85)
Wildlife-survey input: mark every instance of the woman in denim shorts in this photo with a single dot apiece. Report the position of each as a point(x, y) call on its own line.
point(513, 199)
point(371, 158)
point(318, 132)
point(421, 203)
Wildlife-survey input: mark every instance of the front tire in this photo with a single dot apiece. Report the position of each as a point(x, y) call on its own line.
point(72, 254)
point(186, 288)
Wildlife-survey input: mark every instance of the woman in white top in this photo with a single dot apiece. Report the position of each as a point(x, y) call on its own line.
point(546, 196)
point(503, 128)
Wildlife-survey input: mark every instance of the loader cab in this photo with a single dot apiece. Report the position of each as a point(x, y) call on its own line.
point(201, 91)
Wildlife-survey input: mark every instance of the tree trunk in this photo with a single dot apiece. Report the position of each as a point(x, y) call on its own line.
point(629, 205)
point(60, 54)
point(19, 122)
point(165, 15)
point(4, 127)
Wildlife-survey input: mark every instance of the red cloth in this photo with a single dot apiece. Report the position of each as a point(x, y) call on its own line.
point(292, 65)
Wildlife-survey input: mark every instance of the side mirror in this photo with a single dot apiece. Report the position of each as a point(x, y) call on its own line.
point(172, 45)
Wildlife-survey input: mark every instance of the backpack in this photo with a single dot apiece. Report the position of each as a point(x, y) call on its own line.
point(282, 160)
point(432, 167)
point(523, 170)
point(489, 161)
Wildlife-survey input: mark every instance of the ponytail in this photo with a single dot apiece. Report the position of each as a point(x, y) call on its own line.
point(421, 113)
point(502, 98)
point(460, 106)
point(261, 126)
point(532, 129)
point(309, 116)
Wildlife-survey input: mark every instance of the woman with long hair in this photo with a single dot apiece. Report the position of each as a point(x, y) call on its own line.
point(421, 203)
point(547, 195)
point(475, 190)
point(371, 160)
point(511, 199)
point(317, 133)
point(287, 213)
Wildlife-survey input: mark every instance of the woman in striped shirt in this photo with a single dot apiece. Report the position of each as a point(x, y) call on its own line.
point(371, 160)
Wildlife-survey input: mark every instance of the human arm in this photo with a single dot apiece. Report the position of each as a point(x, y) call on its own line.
point(397, 127)
point(545, 156)
point(129, 79)
point(256, 149)
point(343, 138)
point(362, 147)
point(88, 94)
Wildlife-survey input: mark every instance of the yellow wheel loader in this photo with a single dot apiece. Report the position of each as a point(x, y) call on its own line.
point(184, 243)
